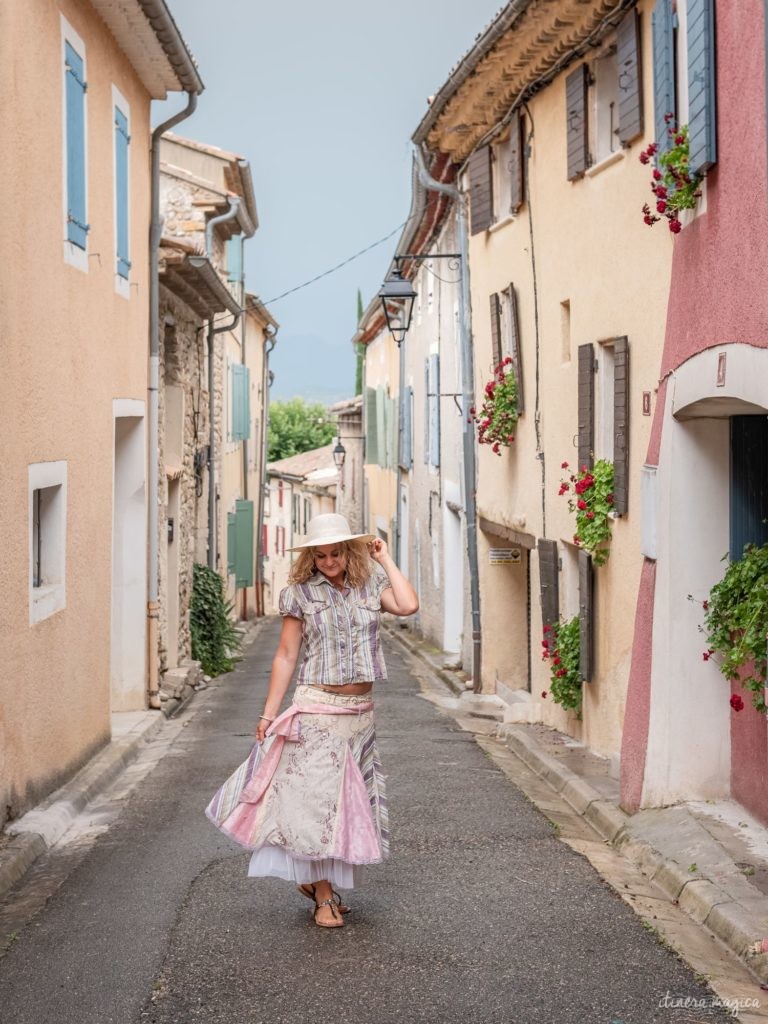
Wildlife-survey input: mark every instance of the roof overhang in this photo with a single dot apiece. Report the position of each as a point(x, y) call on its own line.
point(149, 37)
point(194, 280)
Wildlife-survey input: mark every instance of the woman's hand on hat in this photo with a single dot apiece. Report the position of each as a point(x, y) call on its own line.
point(377, 549)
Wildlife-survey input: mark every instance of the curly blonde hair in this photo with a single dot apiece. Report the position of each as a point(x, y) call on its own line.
point(360, 565)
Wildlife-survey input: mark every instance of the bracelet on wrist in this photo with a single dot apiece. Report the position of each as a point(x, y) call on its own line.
point(264, 717)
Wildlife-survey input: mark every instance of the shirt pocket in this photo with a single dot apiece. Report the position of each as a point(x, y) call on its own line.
point(315, 610)
point(366, 611)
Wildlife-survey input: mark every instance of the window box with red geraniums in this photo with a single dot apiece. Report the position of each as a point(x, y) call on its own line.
point(592, 502)
point(674, 186)
point(561, 647)
point(497, 419)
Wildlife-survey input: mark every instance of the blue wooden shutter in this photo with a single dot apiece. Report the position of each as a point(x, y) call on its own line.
point(701, 84)
point(243, 543)
point(122, 141)
point(663, 71)
point(235, 259)
point(75, 86)
point(406, 438)
point(434, 410)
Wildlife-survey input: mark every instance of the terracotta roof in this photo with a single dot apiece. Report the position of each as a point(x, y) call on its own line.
point(305, 463)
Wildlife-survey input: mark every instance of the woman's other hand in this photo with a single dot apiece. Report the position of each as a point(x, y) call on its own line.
point(261, 729)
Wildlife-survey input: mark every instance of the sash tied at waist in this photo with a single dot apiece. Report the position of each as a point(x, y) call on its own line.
point(286, 728)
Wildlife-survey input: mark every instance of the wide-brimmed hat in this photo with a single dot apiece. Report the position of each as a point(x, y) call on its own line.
point(328, 528)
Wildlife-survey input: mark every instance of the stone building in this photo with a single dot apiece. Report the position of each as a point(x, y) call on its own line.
point(349, 421)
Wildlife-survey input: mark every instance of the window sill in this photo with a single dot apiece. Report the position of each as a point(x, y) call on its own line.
point(46, 601)
point(499, 224)
point(614, 158)
point(75, 256)
point(122, 286)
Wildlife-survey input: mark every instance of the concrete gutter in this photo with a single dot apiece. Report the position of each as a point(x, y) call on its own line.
point(664, 843)
point(172, 42)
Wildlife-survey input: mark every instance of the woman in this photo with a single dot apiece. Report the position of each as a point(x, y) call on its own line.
point(310, 800)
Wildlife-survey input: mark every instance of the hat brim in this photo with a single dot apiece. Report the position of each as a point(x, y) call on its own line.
point(333, 539)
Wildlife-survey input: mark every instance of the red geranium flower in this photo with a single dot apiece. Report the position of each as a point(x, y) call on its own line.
point(736, 702)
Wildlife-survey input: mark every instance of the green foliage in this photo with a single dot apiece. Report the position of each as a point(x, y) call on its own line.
point(591, 498)
point(297, 426)
point(216, 642)
point(562, 646)
point(736, 621)
point(497, 418)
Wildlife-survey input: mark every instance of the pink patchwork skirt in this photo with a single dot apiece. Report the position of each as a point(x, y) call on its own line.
point(310, 801)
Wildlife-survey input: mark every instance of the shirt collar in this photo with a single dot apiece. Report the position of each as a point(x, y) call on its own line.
point(317, 579)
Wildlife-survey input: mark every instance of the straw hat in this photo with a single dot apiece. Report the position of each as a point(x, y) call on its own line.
point(328, 528)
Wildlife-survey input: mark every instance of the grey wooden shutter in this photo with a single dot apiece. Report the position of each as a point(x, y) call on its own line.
point(434, 410)
point(516, 170)
point(663, 71)
point(425, 407)
point(496, 353)
point(701, 84)
point(621, 426)
point(586, 405)
point(382, 438)
point(480, 190)
point(586, 616)
point(515, 346)
point(548, 581)
point(371, 428)
point(576, 121)
point(406, 438)
point(630, 77)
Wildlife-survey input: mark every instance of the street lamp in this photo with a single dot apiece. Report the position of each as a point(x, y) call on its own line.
point(339, 454)
point(397, 296)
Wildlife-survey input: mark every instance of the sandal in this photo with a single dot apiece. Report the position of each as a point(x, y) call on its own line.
point(308, 890)
point(338, 919)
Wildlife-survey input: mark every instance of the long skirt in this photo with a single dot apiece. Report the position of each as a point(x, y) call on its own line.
point(322, 811)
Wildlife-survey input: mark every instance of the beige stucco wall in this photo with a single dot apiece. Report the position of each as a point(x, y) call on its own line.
point(381, 370)
point(592, 250)
point(71, 345)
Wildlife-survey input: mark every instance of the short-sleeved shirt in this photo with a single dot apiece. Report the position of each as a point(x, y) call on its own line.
point(340, 629)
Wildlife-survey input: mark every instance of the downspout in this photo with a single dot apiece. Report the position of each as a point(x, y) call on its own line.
point(153, 469)
point(400, 428)
point(243, 332)
point(231, 213)
point(468, 393)
point(269, 343)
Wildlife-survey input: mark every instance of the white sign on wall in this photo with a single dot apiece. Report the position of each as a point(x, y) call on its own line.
point(504, 556)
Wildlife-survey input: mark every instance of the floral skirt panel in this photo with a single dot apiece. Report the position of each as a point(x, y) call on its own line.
point(314, 790)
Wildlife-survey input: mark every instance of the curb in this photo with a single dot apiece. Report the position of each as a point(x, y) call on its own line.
point(736, 926)
point(414, 646)
point(42, 826)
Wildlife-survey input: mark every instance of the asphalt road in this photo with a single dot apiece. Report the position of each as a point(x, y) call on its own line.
point(480, 915)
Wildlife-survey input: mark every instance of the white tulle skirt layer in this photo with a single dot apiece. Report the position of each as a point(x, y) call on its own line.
point(276, 862)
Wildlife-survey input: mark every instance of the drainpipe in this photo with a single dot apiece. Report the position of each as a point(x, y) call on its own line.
point(468, 393)
point(153, 479)
point(269, 344)
point(400, 428)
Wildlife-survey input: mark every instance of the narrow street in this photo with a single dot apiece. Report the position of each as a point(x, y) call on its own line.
point(481, 914)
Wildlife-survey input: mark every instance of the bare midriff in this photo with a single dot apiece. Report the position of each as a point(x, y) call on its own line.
point(345, 687)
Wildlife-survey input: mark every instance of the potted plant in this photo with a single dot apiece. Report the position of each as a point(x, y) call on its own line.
point(675, 187)
point(497, 418)
point(561, 647)
point(590, 496)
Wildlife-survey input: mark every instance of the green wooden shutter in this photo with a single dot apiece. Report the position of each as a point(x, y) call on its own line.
point(663, 71)
point(371, 428)
point(241, 402)
point(231, 542)
point(244, 543)
point(702, 127)
point(630, 76)
point(122, 141)
point(75, 87)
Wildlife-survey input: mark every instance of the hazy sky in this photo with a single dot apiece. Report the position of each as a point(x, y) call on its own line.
point(322, 99)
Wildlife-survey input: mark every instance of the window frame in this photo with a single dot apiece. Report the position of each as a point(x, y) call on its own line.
point(47, 598)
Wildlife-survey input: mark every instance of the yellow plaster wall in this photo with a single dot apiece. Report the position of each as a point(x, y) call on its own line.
point(71, 345)
point(382, 370)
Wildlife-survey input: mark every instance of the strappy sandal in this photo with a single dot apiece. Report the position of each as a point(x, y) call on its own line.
point(308, 890)
point(338, 920)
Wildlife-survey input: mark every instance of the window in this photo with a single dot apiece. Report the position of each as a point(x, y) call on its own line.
point(47, 539)
point(605, 396)
point(296, 513)
point(75, 149)
point(505, 335)
point(122, 192)
point(280, 493)
point(605, 106)
point(307, 512)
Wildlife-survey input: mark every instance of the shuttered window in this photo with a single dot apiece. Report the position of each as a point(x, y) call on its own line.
point(122, 234)
point(75, 87)
point(549, 581)
point(371, 428)
point(406, 437)
point(434, 410)
point(516, 161)
point(241, 402)
point(576, 121)
point(496, 351)
point(231, 542)
point(630, 77)
point(586, 617)
point(512, 329)
point(586, 405)
point(663, 71)
point(701, 84)
point(243, 543)
point(621, 426)
point(481, 190)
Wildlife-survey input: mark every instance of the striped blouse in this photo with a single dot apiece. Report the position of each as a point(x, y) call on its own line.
point(340, 629)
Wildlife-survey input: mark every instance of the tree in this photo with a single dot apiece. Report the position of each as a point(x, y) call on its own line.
point(297, 426)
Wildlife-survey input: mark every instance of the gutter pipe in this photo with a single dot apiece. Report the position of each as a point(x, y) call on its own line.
point(468, 391)
point(231, 214)
point(153, 469)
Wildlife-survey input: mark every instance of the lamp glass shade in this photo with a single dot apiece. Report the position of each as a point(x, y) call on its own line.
point(339, 454)
point(397, 297)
